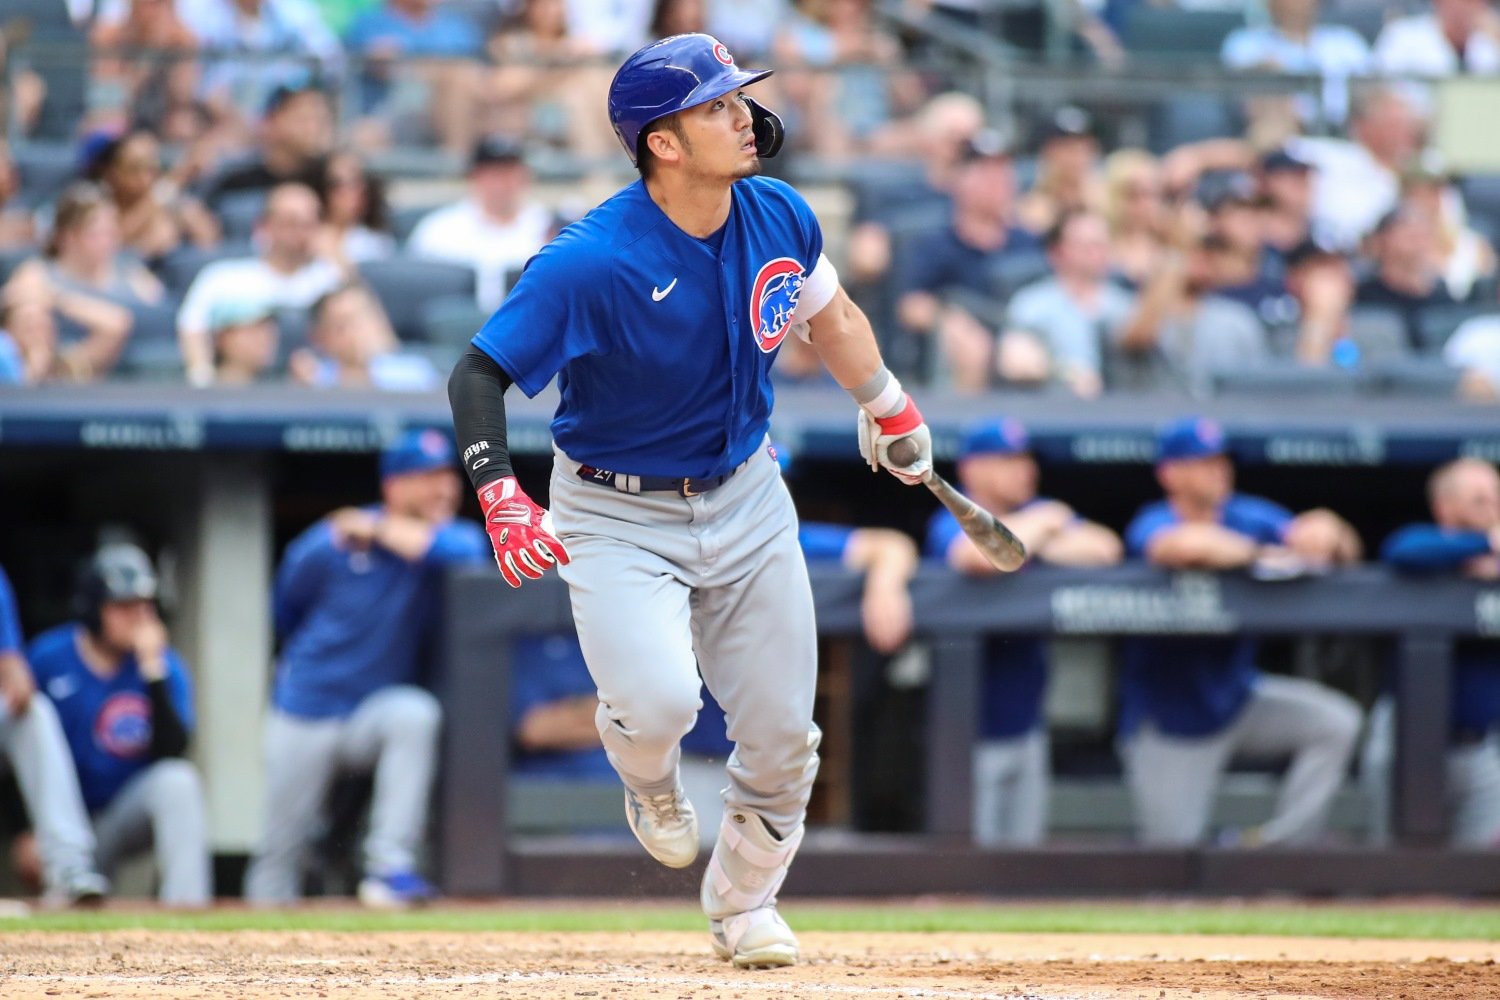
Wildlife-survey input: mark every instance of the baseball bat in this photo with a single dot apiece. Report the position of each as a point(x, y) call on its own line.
point(994, 539)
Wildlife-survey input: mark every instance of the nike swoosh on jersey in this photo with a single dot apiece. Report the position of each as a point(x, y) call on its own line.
point(657, 294)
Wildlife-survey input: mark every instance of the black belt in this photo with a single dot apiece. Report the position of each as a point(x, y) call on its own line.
point(683, 486)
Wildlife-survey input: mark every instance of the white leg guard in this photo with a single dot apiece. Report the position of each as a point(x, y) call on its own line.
point(740, 884)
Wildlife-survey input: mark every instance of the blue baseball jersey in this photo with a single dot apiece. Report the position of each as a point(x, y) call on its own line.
point(544, 669)
point(1014, 680)
point(1193, 687)
point(662, 343)
point(353, 621)
point(1427, 548)
point(11, 640)
point(107, 722)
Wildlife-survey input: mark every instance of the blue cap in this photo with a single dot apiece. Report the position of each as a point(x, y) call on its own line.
point(417, 451)
point(1190, 437)
point(1000, 436)
point(666, 76)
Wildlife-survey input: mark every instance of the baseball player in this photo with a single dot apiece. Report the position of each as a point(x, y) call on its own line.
point(353, 604)
point(1012, 775)
point(31, 737)
point(126, 706)
point(1188, 705)
point(1465, 538)
point(661, 312)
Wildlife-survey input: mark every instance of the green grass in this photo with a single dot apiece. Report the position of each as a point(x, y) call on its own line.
point(1315, 920)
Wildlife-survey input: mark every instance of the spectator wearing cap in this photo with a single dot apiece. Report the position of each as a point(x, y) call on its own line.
point(125, 701)
point(1462, 255)
point(496, 229)
point(1136, 209)
point(1058, 329)
point(1189, 326)
point(259, 30)
point(950, 269)
point(287, 274)
point(1455, 36)
point(245, 339)
point(1462, 540)
point(1294, 43)
point(1067, 171)
point(296, 133)
point(1188, 706)
point(428, 51)
point(1407, 279)
point(1011, 767)
point(353, 346)
point(354, 606)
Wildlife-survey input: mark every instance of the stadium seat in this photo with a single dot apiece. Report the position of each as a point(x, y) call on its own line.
point(452, 319)
point(1285, 379)
point(404, 284)
point(1174, 33)
point(239, 211)
point(1420, 377)
point(1436, 324)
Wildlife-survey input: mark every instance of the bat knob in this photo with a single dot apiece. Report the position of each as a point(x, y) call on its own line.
point(902, 452)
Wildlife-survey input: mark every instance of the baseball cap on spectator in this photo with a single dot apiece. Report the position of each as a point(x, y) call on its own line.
point(999, 436)
point(237, 312)
point(417, 451)
point(1283, 160)
point(1069, 122)
point(986, 144)
point(497, 149)
point(1190, 437)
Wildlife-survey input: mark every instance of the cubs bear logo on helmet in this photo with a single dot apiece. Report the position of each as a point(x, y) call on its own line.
point(679, 72)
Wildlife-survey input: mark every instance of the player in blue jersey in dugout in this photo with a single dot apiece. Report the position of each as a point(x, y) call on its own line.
point(1188, 706)
point(354, 604)
point(660, 313)
point(1463, 538)
point(1012, 769)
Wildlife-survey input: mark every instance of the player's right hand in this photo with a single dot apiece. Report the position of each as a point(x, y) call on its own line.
point(520, 532)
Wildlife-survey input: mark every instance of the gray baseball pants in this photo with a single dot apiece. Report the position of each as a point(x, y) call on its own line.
point(393, 732)
point(162, 808)
point(663, 586)
point(1012, 779)
point(1173, 778)
point(1472, 772)
point(43, 766)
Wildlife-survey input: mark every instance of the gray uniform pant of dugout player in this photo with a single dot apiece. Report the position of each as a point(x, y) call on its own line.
point(1173, 778)
point(162, 808)
point(394, 732)
point(1012, 779)
point(663, 586)
point(1472, 773)
point(43, 766)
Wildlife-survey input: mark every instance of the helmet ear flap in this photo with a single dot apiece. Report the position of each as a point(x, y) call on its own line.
point(770, 133)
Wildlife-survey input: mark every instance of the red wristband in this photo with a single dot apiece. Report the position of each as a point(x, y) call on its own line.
point(903, 421)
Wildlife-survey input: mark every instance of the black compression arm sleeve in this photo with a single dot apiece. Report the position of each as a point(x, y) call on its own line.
point(476, 391)
point(169, 736)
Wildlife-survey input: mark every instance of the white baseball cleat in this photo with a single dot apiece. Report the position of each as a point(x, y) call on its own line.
point(756, 939)
point(665, 824)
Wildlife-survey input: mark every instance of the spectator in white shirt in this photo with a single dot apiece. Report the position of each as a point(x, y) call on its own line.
point(287, 274)
point(1295, 43)
point(496, 229)
point(1458, 36)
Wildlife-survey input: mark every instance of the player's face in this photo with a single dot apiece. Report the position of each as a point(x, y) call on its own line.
point(718, 140)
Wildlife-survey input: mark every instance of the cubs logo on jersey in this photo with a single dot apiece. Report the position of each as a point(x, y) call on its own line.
point(773, 301)
point(123, 726)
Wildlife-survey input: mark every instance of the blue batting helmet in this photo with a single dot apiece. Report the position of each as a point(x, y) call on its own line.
point(676, 73)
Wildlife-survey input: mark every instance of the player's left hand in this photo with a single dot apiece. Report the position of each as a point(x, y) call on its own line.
point(877, 436)
point(520, 532)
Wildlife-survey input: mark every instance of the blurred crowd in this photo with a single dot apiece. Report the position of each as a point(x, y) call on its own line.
point(217, 209)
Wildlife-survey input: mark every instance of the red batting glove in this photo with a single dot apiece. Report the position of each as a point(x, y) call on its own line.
point(523, 542)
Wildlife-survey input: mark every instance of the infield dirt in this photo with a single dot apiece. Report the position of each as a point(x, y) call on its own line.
point(678, 966)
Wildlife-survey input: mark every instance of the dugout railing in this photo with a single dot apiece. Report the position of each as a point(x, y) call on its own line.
point(1423, 618)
